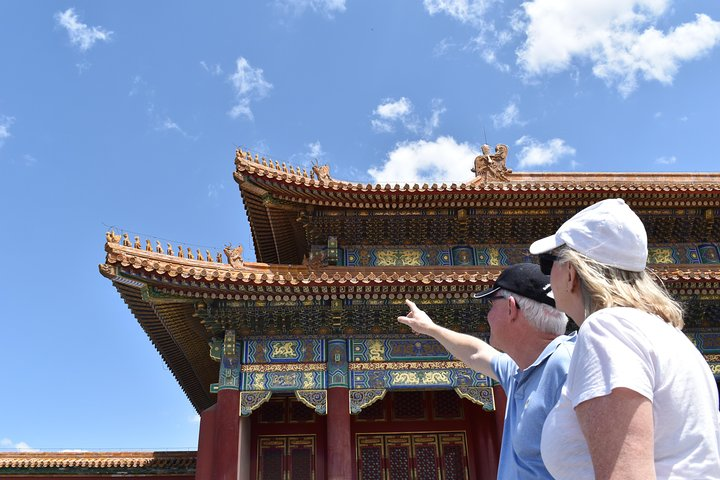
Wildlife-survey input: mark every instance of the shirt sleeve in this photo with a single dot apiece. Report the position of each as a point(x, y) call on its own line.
point(504, 369)
point(611, 352)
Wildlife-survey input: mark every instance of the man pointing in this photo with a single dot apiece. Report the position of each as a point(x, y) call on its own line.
point(525, 325)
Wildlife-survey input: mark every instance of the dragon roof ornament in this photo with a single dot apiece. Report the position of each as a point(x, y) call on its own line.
point(491, 167)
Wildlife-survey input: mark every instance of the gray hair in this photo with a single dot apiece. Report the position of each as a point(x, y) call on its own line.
point(541, 316)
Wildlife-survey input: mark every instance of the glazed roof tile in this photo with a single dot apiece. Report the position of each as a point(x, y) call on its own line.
point(99, 460)
point(247, 165)
point(266, 274)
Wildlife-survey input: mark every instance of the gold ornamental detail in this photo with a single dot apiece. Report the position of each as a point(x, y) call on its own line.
point(289, 367)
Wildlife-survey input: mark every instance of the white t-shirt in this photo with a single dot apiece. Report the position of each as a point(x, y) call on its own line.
point(624, 347)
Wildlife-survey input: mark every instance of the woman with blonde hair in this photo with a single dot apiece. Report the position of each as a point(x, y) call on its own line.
point(640, 401)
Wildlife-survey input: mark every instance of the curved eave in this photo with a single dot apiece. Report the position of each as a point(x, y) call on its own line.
point(176, 335)
point(265, 193)
point(297, 188)
point(192, 275)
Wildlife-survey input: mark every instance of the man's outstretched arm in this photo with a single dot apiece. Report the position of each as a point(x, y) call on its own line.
point(474, 352)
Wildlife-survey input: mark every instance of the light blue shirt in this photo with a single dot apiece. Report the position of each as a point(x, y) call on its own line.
point(531, 394)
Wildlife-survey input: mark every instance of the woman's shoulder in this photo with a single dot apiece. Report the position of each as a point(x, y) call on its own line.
point(619, 317)
point(627, 323)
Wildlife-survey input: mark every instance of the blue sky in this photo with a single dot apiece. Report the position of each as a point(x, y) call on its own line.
point(127, 115)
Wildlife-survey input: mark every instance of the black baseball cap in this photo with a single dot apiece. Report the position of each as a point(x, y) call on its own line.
point(525, 279)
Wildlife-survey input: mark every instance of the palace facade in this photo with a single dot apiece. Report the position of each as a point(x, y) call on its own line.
point(296, 362)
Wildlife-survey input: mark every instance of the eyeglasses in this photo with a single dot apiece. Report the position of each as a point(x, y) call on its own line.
point(546, 262)
point(500, 297)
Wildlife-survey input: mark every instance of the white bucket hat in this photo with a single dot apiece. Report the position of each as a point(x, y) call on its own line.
point(608, 232)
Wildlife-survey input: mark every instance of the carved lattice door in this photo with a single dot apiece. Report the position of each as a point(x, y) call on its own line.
point(286, 458)
point(418, 456)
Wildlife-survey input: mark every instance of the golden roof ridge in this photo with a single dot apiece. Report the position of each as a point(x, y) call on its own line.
point(516, 181)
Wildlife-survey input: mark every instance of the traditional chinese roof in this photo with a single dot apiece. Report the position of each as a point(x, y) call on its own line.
point(289, 211)
point(185, 304)
point(102, 463)
point(395, 242)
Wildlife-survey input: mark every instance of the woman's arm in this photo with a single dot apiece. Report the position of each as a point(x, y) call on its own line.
point(619, 432)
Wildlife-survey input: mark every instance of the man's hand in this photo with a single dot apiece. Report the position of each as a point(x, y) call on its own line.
point(416, 319)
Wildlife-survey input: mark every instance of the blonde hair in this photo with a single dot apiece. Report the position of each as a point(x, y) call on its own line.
point(604, 286)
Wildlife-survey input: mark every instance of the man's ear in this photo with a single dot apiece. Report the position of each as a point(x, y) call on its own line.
point(513, 308)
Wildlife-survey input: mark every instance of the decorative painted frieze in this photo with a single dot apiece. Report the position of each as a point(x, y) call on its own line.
point(484, 396)
point(291, 350)
point(397, 349)
point(229, 378)
point(315, 399)
point(338, 375)
point(284, 381)
point(361, 398)
point(414, 375)
point(250, 401)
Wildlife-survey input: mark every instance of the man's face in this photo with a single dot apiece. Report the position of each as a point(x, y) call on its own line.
point(499, 321)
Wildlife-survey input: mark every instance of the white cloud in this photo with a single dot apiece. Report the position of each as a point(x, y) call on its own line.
point(466, 11)
point(214, 190)
point(509, 116)
point(666, 160)
point(618, 37)
point(433, 122)
point(326, 7)
point(5, 123)
point(168, 124)
point(488, 40)
point(138, 84)
point(81, 35)
point(400, 112)
point(249, 85)
point(6, 443)
point(538, 154)
point(381, 126)
point(443, 47)
point(314, 153)
point(194, 418)
point(316, 150)
point(393, 110)
point(422, 161)
point(214, 70)
point(489, 55)
point(83, 66)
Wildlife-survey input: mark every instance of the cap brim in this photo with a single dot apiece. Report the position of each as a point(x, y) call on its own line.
point(485, 293)
point(545, 245)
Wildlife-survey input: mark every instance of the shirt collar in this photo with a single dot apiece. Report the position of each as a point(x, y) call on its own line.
point(550, 349)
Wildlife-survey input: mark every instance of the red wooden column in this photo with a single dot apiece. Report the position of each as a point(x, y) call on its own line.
point(203, 469)
point(220, 425)
point(486, 447)
point(227, 435)
point(339, 439)
point(244, 449)
point(339, 445)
